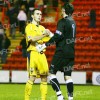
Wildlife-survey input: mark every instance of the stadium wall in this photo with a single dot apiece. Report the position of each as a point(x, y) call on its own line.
point(22, 76)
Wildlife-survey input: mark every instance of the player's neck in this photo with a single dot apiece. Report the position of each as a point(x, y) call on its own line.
point(34, 22)
point(65, 16)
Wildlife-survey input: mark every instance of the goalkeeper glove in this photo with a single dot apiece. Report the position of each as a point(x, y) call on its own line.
point(40, 48)
point(51, 34)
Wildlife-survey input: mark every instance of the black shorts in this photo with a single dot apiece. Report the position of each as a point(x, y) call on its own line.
point(61, 64)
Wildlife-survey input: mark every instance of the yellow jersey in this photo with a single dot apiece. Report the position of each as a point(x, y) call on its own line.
point(33, 30)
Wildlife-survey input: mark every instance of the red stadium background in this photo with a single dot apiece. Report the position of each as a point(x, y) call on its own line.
point(87, 48)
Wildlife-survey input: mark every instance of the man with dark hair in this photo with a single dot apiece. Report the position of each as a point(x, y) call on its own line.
point(92, 19)
point(12, 14)
point(24, 3)
point(24, 47)
point(63, 59)
point(37, 65)
point(31, 5)
point(4, 45)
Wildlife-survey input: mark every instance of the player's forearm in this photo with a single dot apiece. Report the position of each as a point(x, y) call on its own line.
point(36, 38)
point(56, 38)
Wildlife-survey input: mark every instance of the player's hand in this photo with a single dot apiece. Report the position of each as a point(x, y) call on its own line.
point(51, 34)
point(40, 48)
point(46, 32)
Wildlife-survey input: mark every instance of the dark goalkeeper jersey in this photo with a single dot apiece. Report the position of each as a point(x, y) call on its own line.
point(64, 38)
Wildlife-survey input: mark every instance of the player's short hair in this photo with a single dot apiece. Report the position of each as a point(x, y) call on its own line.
point(69, 8)
point(35, 10)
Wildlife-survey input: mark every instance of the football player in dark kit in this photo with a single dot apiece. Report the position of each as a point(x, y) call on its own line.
point(63, 59)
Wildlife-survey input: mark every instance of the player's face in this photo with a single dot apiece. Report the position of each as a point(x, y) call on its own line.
point(63, 12)
point(37, 15)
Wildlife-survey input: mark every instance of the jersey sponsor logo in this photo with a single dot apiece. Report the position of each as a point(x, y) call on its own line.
point(58, 32)
point(29, 37)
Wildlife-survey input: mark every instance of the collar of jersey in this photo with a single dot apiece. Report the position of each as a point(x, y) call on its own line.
point(34, 24)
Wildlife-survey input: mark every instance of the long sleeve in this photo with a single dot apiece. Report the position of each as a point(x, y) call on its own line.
point(58, 34)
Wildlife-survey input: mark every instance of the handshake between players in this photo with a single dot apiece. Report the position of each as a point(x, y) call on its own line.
point(40, 47)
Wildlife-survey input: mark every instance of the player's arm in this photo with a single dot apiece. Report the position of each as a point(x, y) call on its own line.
point(36, 38)
point(54, 38)
point(58, 34)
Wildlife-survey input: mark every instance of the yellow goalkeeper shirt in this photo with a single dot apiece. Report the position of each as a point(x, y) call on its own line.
point(32, 30)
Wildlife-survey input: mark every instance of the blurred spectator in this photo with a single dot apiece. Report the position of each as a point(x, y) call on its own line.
point(4, 44)
point(1, 36)
point(7, 3)
point(17, 4)
point(1, 2)
point(1, 15)
point(92, 19)
point(31, 5)
point(22, 18)
point(40, 4)
point(23, 8)
point(24, 46)
point(45, 2)
point(55, 4)
point(1, 30)
point(66, 1)
point(12, 14)
point(25, 3)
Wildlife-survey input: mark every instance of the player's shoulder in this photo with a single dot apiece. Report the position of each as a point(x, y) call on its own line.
point(61, 21)
point(69, 18)
point(30, 25)
point(42, 27)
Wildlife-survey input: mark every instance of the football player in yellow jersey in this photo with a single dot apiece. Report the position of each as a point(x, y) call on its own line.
point(36, 62)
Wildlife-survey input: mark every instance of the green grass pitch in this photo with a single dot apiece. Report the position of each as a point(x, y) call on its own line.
point(16, 92)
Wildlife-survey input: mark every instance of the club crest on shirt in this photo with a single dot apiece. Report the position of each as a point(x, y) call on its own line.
point(29, 37)
point(31, 70)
